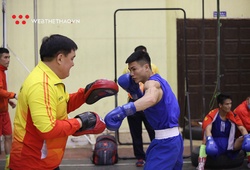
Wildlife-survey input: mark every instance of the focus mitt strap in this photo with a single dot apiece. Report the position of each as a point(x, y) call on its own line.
point(99, 89)
point(92, 123)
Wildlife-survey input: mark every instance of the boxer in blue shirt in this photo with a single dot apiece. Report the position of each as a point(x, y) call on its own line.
point(161, 109)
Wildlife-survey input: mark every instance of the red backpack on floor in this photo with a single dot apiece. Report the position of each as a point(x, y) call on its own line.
point(105, 151)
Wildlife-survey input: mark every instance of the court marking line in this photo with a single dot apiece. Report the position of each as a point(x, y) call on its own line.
point(93, 165)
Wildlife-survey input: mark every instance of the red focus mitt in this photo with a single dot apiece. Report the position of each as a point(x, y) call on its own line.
point(92, 123)
point(99, 89)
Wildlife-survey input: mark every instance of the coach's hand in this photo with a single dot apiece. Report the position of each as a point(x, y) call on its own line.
point(99, 89)
point(91, 122)
point(114, 118)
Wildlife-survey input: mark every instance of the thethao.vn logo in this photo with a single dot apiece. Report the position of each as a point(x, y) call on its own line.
point(22, 19)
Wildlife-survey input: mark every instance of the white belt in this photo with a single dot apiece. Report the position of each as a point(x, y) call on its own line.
point(167, 133)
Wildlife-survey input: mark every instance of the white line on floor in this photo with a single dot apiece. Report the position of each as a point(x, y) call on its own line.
point(118, 164)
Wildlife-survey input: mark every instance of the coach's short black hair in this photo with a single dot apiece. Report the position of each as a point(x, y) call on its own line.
point(55, 44)
point(140, 48)
point(222, 97)
point(139, 56)
point(3, 50)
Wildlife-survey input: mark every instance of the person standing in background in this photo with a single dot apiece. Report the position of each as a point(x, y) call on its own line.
point(5, 96)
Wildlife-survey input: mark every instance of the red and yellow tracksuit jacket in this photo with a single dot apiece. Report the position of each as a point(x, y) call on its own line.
point(244, 113)
point(41, 124)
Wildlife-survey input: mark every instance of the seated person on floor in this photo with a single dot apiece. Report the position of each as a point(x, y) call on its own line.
point(243, 111)
point(218, 128)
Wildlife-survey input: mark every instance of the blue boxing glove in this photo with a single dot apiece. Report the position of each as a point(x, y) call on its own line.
point(128, 84)
point(211, 147)
point(114, 118)
point(246, 143)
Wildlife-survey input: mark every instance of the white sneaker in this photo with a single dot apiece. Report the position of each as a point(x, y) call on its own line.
point(200, 166)
point(248, 164)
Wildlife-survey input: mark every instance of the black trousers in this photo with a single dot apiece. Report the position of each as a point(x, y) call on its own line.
point(135, 125)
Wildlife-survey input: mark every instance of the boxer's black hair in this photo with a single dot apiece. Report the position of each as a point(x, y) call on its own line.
point(139, 56)
point(222, 97)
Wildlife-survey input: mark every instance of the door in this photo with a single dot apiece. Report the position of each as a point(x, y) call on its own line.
point(205, 72)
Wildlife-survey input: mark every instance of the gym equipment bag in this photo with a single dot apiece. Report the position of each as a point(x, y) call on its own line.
point(105, 151)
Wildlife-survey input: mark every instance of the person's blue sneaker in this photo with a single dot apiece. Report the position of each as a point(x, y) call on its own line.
point(140, 163)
